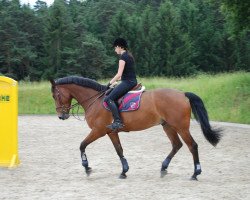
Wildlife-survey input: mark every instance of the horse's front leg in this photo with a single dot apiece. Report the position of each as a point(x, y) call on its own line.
point(94, 135)
point(118, 147)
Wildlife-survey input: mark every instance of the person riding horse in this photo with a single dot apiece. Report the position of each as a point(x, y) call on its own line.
point(169, 108)
point(126, 72)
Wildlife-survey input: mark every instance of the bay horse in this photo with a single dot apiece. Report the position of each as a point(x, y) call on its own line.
point(167, 107)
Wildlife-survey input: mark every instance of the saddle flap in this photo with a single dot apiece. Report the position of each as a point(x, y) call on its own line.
point(129, 102)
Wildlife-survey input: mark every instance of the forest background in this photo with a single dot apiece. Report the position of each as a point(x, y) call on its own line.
point(172, 38)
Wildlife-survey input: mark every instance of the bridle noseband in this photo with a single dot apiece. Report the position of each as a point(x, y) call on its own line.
point(66, 109)
point(61, 106)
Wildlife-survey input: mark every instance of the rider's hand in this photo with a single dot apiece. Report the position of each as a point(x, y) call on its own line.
point(108, 85)
point(114, 84)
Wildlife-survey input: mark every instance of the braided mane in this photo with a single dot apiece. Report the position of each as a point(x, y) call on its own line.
point(81, 81)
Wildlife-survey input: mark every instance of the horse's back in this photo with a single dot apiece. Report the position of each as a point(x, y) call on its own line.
point(165, 95)
point(170, 104)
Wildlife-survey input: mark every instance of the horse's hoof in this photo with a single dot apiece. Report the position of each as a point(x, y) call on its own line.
point(88, 171)
point(194, 178)
point(163, 173)
point(123, 176)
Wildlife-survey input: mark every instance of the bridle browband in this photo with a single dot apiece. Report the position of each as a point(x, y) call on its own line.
point(66, 109)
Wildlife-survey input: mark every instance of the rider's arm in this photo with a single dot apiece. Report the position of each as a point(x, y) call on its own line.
point(119, 73)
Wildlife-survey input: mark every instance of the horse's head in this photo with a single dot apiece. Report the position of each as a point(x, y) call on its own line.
point(62, 100)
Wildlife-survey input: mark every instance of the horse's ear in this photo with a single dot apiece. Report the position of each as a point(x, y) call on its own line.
point(52, 82)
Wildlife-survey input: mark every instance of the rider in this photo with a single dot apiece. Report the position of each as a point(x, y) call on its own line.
point(126, 72)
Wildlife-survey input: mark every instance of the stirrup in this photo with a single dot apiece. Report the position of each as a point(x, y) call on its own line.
point(116, 126)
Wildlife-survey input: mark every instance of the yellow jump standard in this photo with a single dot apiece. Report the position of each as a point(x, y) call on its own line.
point(8, 122)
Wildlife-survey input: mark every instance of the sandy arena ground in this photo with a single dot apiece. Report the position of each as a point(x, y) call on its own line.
point(51, 167)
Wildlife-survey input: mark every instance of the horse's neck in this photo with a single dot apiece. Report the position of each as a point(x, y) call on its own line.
point(83, 95)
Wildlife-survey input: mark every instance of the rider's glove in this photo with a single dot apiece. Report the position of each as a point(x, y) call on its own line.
point(108, 85)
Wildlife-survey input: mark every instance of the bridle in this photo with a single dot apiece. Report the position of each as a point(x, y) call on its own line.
point(66, 109)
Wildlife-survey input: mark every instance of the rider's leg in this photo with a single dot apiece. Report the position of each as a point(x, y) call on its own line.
point(116, 93)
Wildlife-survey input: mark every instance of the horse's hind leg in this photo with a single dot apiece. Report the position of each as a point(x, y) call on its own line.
point(193, 147)
point(176, 145)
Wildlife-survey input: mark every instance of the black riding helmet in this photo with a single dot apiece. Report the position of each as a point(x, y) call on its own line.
point(120, 42)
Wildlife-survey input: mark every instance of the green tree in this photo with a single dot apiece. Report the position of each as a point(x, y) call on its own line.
point(38, 39)
point(146, 48)
point(60, 37)
point(119, 27)
point(174, 47)
point(16, 48)
point(8, 32)
point(92, 58)
point(238, 12)
point(216, 49)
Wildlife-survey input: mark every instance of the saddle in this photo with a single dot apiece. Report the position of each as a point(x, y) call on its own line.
point(130, 101)
point(135, 89)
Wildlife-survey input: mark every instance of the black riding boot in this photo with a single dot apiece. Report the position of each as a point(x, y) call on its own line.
point(117, 124)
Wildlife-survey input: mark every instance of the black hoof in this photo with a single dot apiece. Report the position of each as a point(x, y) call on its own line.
point(123, 176)
point(196, 173)
point(194, 178)
point(163, 173)
point(88, 171)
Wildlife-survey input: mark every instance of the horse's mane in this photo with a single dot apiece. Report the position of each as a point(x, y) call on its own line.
point(81, 81)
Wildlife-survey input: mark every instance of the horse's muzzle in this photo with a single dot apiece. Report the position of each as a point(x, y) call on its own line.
point(63, 116)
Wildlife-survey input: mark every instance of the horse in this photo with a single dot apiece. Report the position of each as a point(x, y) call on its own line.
point(169, 108)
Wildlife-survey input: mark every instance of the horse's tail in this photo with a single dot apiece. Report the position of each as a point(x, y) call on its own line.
point(213, 136)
